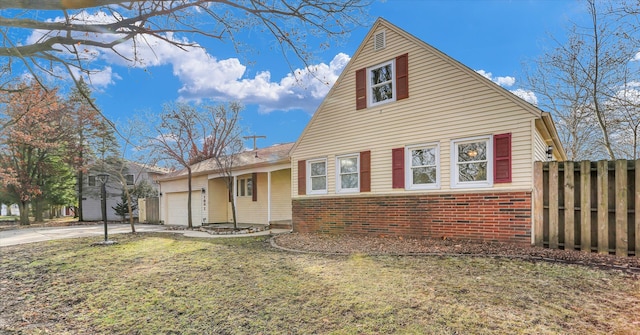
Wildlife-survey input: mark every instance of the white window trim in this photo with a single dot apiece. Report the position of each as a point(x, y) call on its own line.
point(455, 183)
point(408, 173)
point(393, 83)
point(244, 182)
point(326, 179)
point(339, 188)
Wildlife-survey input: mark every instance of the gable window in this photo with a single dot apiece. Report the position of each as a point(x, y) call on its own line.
point(348, 173)
point(381, 83)
point(91, 180)
point(472, 162)
point(422, 166)
point(129, 179)
point(317, 180)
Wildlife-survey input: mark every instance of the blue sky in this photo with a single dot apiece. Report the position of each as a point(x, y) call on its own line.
point(493, 37)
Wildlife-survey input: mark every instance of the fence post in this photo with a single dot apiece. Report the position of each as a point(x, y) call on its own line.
point(585, 206)
point(538, 204)
point(553, 205)
point(622, 230)
point(603, 207)
point(569, 208)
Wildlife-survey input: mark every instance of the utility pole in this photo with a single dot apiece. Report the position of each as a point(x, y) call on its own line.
point(254, 137)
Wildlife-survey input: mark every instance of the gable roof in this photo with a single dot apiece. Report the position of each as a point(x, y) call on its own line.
point(275, 154)
point(444, 57)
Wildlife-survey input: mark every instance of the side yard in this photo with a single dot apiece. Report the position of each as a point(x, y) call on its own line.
point(168, 284)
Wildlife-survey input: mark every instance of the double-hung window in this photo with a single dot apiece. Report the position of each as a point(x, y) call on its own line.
point(244, 187)
point(422, 166)
point(381, 83)
point(129, 179)
point(472, 163)
point(348, 173)
point(317, 179)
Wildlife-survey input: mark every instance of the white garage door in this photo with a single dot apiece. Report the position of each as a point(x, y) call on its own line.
point(177, 209)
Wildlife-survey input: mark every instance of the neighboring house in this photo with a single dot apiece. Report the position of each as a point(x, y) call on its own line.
point(262, 190)
point(132, 174)
point(13, 209)
point(410, 142)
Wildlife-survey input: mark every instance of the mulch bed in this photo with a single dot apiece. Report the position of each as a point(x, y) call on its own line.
point(372, 245)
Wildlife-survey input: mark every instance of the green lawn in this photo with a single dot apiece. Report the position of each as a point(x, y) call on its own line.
point(166, 284)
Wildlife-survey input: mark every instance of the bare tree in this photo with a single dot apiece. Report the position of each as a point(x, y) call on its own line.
point(176, 139)
point(189, 134)
point(626, 108)
point(84, 28)
point(224, 120)
point(578, 79)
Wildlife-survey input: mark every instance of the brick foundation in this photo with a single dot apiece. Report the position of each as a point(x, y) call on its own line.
point(487, 216)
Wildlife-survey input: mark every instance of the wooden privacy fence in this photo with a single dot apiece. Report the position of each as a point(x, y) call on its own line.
point(149, 210)
point(589, 206)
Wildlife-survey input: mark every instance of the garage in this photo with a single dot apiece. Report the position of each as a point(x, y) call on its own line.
point(177, 208)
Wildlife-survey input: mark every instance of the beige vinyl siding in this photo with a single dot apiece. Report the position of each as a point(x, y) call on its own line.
point(218, 201)
point(281, 195)
point(249, 211)
point(181, 185)
point(445, 103)
point(540, 148)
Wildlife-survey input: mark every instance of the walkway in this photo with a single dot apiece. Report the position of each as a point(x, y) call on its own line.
point(32, 235)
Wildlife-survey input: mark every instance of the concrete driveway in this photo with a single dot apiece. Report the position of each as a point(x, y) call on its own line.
point(31, 235)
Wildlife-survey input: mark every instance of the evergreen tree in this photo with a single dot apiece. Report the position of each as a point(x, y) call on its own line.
point(87, 130)
point(122, 208)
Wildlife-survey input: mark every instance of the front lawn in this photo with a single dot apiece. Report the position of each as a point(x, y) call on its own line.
point(166, 284)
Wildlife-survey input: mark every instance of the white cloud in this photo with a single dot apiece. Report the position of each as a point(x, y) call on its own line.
point(525, 95)
point(502, 81)
point(203, 76)
point(528, 96)
point(303, 89)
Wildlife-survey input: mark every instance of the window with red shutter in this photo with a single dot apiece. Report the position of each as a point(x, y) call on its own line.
point(365, 171)
point(302, 177)
point(502, 158)
point(397, 167)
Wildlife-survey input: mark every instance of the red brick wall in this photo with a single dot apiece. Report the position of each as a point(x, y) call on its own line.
point(492, 216)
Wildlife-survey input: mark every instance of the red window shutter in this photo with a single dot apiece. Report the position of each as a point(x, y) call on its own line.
point(302, 177)
point(502, 158)
point(254, 187)
point(361, 89)
point(365, 171)
point(398, 167)
point(402, 77)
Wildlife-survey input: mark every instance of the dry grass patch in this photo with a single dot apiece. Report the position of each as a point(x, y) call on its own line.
point(166, 284)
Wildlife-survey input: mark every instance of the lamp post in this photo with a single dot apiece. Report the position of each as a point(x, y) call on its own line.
point(103, 178)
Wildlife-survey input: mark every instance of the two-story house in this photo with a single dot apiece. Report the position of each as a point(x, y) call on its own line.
point(411, 142)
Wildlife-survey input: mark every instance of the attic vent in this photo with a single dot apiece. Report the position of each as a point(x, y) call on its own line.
point(379, 41)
